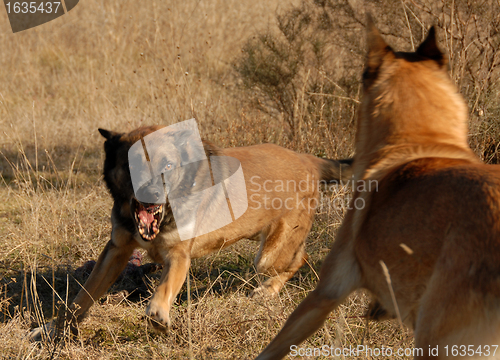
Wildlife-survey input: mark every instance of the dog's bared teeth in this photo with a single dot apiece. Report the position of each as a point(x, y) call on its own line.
point(155, 227)
point(148, 231)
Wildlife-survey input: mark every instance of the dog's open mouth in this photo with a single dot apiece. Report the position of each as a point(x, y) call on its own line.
point(147, 219)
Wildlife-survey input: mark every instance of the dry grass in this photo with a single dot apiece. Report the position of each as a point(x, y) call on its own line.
point(119, 65)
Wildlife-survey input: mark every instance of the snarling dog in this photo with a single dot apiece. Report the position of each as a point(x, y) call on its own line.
point(155, 212)
point(433, 226)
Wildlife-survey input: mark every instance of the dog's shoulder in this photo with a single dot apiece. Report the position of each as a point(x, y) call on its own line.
point(211, 149)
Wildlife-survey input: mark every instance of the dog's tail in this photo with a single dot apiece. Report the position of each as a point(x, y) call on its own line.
point(331, 171)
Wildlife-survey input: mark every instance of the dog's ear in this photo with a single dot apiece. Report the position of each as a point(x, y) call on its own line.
point(180, 140)
point(181, 137)
point(377, 47)
point(108, 134)
point(429, 49)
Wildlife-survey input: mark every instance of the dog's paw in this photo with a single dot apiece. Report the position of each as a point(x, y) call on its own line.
point(262, 292)
point(158, 315)
point(46, 332)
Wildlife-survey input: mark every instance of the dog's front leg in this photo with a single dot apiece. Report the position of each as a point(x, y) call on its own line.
point(110, 264)
point(177, 263)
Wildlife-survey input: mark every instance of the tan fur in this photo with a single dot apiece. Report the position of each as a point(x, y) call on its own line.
point(282, 231)
point(434, 221)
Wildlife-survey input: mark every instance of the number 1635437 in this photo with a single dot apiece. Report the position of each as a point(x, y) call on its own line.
point(32, 7)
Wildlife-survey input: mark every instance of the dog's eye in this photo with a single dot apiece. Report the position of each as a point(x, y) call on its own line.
point(169, 166)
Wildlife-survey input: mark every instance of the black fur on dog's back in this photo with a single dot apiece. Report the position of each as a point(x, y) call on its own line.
point(336, 170)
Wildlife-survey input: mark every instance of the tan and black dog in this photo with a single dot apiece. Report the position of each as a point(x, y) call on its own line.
point(433, 226)
point(280, 185)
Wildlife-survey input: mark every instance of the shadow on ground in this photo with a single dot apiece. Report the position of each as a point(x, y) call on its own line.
point(48, 289)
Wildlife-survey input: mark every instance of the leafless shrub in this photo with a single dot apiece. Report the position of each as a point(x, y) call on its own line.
point(314, 61)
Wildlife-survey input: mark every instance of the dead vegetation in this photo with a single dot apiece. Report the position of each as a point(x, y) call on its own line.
point(247, 79)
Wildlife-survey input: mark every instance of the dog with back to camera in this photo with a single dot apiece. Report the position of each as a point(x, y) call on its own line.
point(431, 233)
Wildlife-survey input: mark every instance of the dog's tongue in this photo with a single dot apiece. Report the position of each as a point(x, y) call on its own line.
point(146, 217)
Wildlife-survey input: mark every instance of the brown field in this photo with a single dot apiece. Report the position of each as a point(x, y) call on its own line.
point(122, 64)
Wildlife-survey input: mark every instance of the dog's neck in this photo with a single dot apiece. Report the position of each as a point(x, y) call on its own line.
point(432, 122)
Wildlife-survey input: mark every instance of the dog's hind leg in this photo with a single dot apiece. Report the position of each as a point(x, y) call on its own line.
point(340, 275)
point(177, 262)
point(281, 255)
point(459, 314)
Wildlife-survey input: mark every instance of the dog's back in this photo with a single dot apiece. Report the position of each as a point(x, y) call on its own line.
point(435, 224)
